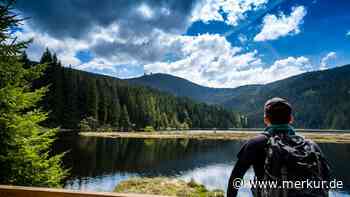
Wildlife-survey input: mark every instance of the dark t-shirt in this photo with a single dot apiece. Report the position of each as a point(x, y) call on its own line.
point(251, 153)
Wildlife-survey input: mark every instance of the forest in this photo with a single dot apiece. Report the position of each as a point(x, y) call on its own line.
point(86, 101)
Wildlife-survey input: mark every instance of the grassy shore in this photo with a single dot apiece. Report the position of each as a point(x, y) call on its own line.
point(166, 186)
point(220, 135)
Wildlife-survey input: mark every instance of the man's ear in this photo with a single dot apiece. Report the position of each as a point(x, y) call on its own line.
point(267, 121)
point(291, 119)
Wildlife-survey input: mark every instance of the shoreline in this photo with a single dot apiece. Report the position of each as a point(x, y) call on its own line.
point(219, 135)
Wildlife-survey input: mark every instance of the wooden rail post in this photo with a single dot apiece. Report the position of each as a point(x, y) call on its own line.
point(19, 191)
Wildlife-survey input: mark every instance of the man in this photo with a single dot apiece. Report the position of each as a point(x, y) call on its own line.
point(278, 117)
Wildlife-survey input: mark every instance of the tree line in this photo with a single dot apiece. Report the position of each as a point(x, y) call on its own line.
point(78, 99)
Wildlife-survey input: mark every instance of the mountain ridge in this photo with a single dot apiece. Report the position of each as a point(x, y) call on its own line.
point(323, 96)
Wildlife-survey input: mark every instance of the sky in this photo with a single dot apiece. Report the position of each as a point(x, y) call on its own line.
point(215, 43)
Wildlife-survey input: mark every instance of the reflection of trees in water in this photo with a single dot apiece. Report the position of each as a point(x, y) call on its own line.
point(90, 156)
point(338, 156)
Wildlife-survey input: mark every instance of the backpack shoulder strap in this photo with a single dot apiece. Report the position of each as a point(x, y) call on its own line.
point(267, 135)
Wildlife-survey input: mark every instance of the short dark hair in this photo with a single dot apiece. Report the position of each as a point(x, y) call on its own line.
point(278, 110)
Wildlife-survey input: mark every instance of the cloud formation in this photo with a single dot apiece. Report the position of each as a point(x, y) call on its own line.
point(325, 61)
point(122, 32)
point(275, 27)
point(75, 18)
point(211, 60)
point(213, 10)
point(138, 36)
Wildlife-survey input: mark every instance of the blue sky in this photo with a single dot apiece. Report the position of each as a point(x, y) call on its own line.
point(217, 43)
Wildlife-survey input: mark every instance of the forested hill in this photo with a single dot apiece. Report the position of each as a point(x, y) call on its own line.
point(182, 87)
point(81, 98)
point(321, 99)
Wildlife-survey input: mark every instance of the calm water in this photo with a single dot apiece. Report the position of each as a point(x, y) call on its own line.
point(99, 164)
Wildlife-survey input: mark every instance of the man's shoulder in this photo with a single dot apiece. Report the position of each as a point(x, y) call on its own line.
point(257, 142)
point(253, 147)
point(261, 138)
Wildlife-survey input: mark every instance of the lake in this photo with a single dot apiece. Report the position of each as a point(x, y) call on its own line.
point(99, 164)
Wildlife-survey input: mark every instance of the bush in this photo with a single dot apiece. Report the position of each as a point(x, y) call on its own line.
point(184, 126)
point(148, 129)
point(88, 124)
point(84, 125)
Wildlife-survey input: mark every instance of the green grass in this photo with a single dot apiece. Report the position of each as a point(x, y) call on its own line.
point(166, 186)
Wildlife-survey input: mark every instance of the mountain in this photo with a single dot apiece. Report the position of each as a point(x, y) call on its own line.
point(182, 87)
point(321, 99)
point(80, 99)
point(185, 88)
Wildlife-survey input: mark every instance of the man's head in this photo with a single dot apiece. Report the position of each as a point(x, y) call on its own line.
point(277, 111)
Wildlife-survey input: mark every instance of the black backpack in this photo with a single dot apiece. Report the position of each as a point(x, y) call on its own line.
point(293, 158)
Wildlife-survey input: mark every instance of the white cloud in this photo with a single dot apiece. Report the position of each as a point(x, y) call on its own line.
point(65, 49)
point(326, 60)
point(242, 38)
point(211, 60)
point(275, 27)
point(165, 11)
point(209, 10)
point(96, 64)
point(145, 11)
point(348, 33)
point(301, 62)
point(206, 11)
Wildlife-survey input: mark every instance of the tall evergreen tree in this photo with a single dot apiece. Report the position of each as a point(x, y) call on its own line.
point(24, 153)
point(115, 114)
point(92, 103)
point(46, 57)
point(164, 121)
point(124, 119)
point(71, 110)
point(25, 60)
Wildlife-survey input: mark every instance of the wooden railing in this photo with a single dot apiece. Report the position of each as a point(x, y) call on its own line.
point(19, 191)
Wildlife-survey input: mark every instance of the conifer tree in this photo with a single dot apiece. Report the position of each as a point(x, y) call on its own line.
point(124, 119)
point(92, 102)
point(24, 153)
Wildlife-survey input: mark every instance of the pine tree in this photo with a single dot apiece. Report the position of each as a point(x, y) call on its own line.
point(56, 90)
point(70, 112)
point(102, 109)
point(164, 121)
point(25, 60)
point(46, 57)
point(115, 114)
point(124, 119)
point(24, 153)
point(114, 109)
point(92, 99)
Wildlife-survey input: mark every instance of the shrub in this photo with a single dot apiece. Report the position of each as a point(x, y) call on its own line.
point(148, 129)
point(88, 124)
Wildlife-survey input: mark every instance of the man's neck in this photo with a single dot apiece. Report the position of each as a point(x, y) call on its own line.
point(276, 128)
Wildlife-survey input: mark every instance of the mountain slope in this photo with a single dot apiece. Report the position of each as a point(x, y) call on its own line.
point(321, 99)
point(81, 99)
point(175, 85)
point(182, 87)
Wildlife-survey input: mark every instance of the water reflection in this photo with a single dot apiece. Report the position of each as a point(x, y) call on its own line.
point(98, 164)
